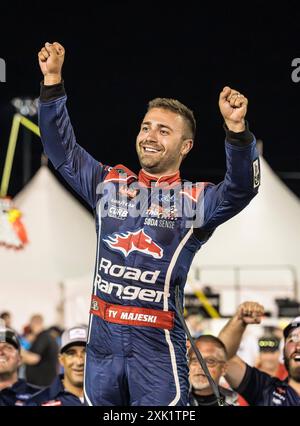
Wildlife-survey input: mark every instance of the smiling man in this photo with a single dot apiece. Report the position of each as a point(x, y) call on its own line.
point(149, 228)
point(13, 391)
point(166, 136)
point(292, 354)
point(67, 388)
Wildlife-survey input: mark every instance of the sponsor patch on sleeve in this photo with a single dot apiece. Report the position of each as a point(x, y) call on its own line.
point(256, 173)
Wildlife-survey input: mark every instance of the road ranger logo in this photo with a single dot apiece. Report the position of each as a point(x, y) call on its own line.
point(127, 272)
point(128, 292)
point(128, 242)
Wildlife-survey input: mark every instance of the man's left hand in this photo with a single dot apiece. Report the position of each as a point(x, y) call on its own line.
point(233, 107)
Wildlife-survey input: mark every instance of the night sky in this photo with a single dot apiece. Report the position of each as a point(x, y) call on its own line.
point(120, 55)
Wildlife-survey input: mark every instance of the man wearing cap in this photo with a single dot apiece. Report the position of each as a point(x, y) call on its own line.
point(257, 387)
point(13, 391)
point(67, 388)
point(269, 357)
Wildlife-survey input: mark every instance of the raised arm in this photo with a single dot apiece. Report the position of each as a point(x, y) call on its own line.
point(78, 168)
point(231, 335)
point(242, 178)
point(51, 59)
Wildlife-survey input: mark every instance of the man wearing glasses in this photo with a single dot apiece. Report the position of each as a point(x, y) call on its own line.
point(215, 357)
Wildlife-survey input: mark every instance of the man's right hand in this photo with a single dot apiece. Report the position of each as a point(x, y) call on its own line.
point(51, 59)
point(250, 312)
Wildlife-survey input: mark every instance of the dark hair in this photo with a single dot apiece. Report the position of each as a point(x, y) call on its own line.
point(209, 338)
point(177, 107)
point(4, 314)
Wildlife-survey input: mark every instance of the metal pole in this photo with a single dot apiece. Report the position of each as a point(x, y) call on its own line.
point(27, 139)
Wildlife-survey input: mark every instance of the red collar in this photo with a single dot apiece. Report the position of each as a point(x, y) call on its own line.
point(164, 181)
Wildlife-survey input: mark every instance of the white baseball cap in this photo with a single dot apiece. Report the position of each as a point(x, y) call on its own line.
point(73, 336)
point(293, 324)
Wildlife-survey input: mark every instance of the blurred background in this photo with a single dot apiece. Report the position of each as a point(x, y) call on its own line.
point(119, 55)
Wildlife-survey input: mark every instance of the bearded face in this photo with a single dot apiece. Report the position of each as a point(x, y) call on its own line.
point(292, 354)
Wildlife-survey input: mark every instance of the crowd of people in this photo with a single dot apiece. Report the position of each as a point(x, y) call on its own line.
point(54, 365)
point(42, 367)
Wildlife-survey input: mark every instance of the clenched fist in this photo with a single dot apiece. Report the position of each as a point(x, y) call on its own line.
point(250, 312)
point(233, 107)
point(51, 59)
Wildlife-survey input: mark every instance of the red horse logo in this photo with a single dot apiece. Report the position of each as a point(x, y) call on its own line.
point(128, 242)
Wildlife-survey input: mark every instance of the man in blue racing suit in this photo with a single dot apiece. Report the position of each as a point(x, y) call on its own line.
point(149, 227)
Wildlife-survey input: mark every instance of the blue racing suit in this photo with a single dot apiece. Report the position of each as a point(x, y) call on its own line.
point(136, 351)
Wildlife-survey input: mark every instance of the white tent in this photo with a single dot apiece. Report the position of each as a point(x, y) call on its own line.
point(77, 299)
point(61, 246)
point(256, 254)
